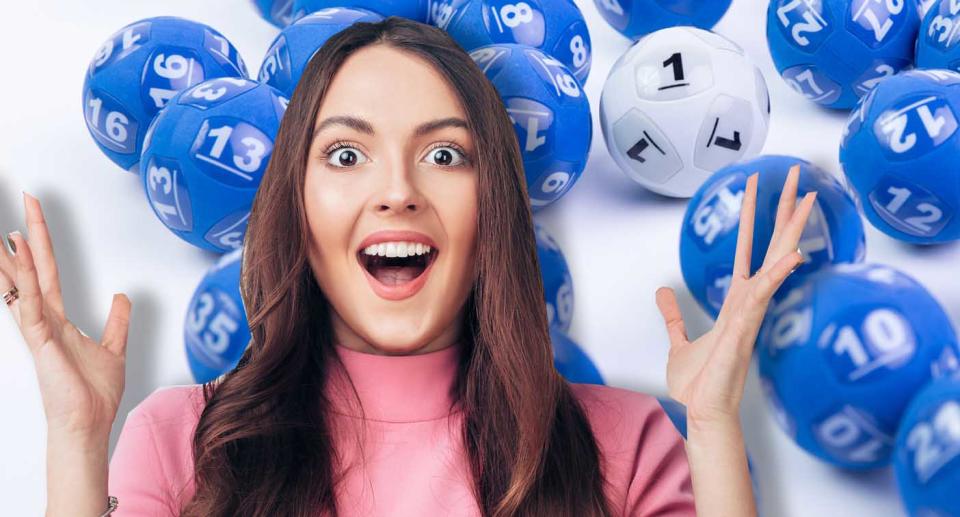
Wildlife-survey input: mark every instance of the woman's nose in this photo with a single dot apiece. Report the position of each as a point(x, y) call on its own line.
point(400, 192)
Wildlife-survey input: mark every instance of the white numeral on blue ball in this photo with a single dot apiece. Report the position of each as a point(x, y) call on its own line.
point(937, 442)
point(216, 331)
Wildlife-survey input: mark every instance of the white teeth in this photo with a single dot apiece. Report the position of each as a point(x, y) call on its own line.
point(397, 249)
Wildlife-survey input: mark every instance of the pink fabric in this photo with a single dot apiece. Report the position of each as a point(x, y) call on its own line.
point(414, 464)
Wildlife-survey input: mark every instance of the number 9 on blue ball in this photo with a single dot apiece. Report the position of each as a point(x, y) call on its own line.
point(550, 115)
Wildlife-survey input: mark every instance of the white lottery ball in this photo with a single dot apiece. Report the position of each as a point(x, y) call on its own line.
point(679, 104)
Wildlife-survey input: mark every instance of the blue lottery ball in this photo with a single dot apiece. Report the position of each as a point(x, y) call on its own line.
point(676, 412)
point(843, 350)
point(204, 156)
point(277, 12)
point(923, 7)
point(937, 43)
point(554, 26)
point(557, 282)
point(571, 361)
point(413, 9)
point(708, 238)
point(899, 155)
point(139, 69)
point(637, 18)
point(550, 114)
point(292, 49)
point(215, 330)
point(833, 52)
point(926, 457)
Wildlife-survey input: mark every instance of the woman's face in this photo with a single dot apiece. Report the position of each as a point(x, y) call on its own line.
point(392, 153)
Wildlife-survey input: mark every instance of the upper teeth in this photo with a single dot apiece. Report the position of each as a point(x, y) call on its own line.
point(397, 249)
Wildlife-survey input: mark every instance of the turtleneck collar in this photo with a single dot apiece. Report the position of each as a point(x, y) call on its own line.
point(396, 388)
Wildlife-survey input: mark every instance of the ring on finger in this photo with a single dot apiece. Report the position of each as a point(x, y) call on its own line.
point(10, 295)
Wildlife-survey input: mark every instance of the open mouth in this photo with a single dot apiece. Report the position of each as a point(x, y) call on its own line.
point(396, 271)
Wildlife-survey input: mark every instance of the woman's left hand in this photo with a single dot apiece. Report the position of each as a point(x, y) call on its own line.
point(708, 374)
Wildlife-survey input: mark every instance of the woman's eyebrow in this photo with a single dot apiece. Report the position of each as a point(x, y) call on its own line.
point(440, 123)
point(363, 126)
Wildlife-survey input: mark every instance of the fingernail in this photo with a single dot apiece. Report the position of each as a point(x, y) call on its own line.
point(12, 246)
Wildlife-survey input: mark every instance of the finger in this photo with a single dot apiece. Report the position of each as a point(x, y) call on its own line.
point(788, 200)
point(748, 208)
point(43, 253)
point(7, 264)
point(6, 283)
point(789, 240)
point(672, 318)
point(31, 299)
point(770, 281)
point(117, 326)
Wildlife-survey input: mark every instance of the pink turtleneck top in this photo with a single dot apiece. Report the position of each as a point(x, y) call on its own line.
point(413, 463)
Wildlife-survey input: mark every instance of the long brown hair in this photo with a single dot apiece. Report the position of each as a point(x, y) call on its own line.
point(263, 445)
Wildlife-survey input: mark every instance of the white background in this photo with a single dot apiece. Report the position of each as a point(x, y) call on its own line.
point(620, 241)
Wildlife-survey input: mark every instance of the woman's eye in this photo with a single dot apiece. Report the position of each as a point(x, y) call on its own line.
point(446, 156)
point(345, 157)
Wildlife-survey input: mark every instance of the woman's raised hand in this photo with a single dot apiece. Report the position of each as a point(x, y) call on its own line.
point(81, 381)
point(708, 374)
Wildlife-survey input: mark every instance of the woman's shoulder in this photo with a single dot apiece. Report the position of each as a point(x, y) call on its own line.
point(643, 455)
point(152, 464)
point(170, 412)
point(618, 409)
point(170, 405)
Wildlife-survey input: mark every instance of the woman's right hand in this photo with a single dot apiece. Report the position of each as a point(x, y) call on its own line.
point(81, 381)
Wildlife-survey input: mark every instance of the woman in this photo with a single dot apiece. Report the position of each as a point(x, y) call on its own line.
point(417, 385)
